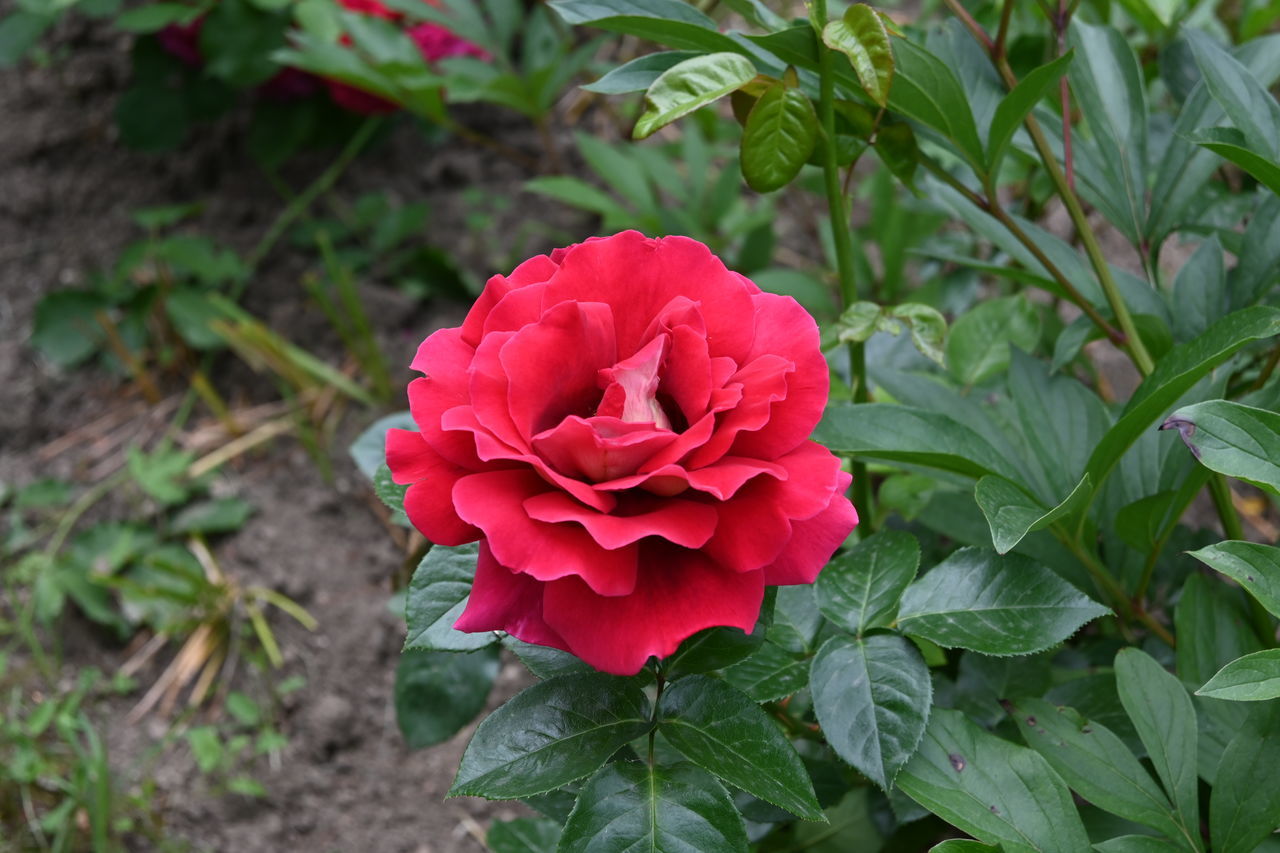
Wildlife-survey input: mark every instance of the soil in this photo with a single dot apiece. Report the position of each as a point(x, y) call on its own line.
point(345, 782)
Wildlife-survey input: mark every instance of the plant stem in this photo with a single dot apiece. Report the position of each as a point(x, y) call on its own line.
point(843, 241)
point(1133, 345)
point(1002, 34)
point(1221, 494)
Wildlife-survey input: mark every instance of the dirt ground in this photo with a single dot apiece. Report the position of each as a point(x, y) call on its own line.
point(346, 782)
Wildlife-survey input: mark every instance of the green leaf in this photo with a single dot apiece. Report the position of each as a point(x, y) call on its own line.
point(66, 328)
point(963, 845)
point(872, 698)
point(850, 826)
point(796, 619)
point(523, 835)
point(1162, 713)
point(1255, 567)
point(630, 806)
point(1175, 374)
point(711, 648)
point(1095, 763)
point(437, 596)
point(1200, 291)
point(369, 450)
point(1233, 439)
point(638, 74)
point(893, 433)
point(193, 315)
point(579, 193)
point(689, 85)
point(544, 661)
point(391, 494)
point(162, 474)
point(156, 16)
point(860, 588)
point(1244, 808)
point(221, 515)
point(861, 36)
point(237, 42)
point(1251, 678)
point(721, 730)
point(1012, 513)
point(1018, 104)
point(771, 673)
point(978, 346)
point(780, 134)
point(1137, 844)
point(1230, 144)
point(550, 734)
point(20, 30)
point(925, 89)
point(437, 693)
point(996, 791)
point(1010, 605)
point(1246, 101)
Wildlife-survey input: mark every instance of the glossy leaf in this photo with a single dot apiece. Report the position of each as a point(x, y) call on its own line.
point(1254, 566)
point(437, 693)
point(1252, 678)
point(1162, 712)
point(1018, 104)
point(1012, 513)
point(1233, 439)
point(872, 698)
point(1095, 764)
point(630, 806)
point(550, 734)
point(1244, 808)
point(712, 648)
point(523, 835)
point(861, 36)
point(691, 84)
point(770, 674)
point(1010, 605)
point(723, 731)
point(994, 790)
point(1175, 374)
point(780, 134)
point(437, 596)
point(860, 588)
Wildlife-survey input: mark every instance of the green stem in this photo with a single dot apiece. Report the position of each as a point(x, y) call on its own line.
point(1234, 529)
point(842, 238)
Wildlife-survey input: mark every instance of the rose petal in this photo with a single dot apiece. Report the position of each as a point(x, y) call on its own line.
point(814, 540)
point(428, 502)
point(679, 593)
point(503, 600)
point(536, 269)
point(493, 502)
point(763, 381)
point(684, 522)
point(599, 448)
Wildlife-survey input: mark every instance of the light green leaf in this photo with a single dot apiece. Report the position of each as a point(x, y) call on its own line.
point(690, 84)
point(861, 36)
point(638, 74)
point(1010, 605)
point(996, 791)
point(1012, 513)
point(1252, 678)
point(631, 806)
point(872, 698)
point(778, 137)
point(1162, 712)
point(726, 733)
point(860, 588)
point(1233, 439)
point(1255, 567)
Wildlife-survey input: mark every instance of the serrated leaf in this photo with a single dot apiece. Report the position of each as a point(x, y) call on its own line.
point(771, 673)
point(860, 588)
point(711, 648)
point(779, 135)
point(1095, 764)
point(1244, 808)
point(996, 791)
point(550, 734)
point(1233, 439)
point(437, 596)
point(1254, 566)
point(630, 806)
point(872, 698)
point(1162, 713)
point(1252, 678)
point(1012, 513)
point(691, 84)
point(861, 36)
point(437, 693)
point(979, 600)
point(544, 661)
point(723, 731)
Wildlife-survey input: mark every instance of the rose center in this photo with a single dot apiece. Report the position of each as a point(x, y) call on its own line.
point(631, 386)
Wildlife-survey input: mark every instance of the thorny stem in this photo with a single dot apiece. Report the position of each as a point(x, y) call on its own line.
point(1133, 345)
point(991, 205)
point(843, 240)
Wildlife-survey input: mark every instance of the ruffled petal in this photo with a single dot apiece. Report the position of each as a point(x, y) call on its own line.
point(814, 540)
point(428, 501)
point(679, 593)
point(684, 522)
point(503, 600)
point(599, 448)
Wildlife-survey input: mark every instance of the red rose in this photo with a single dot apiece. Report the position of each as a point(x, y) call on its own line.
point(624, 427)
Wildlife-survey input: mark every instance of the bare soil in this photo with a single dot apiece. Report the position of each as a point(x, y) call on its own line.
point(346, 782)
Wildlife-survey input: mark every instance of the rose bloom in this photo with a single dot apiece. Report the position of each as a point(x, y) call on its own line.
point(624, 426)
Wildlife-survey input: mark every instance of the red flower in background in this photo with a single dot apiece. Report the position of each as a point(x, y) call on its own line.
point(624, 426)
